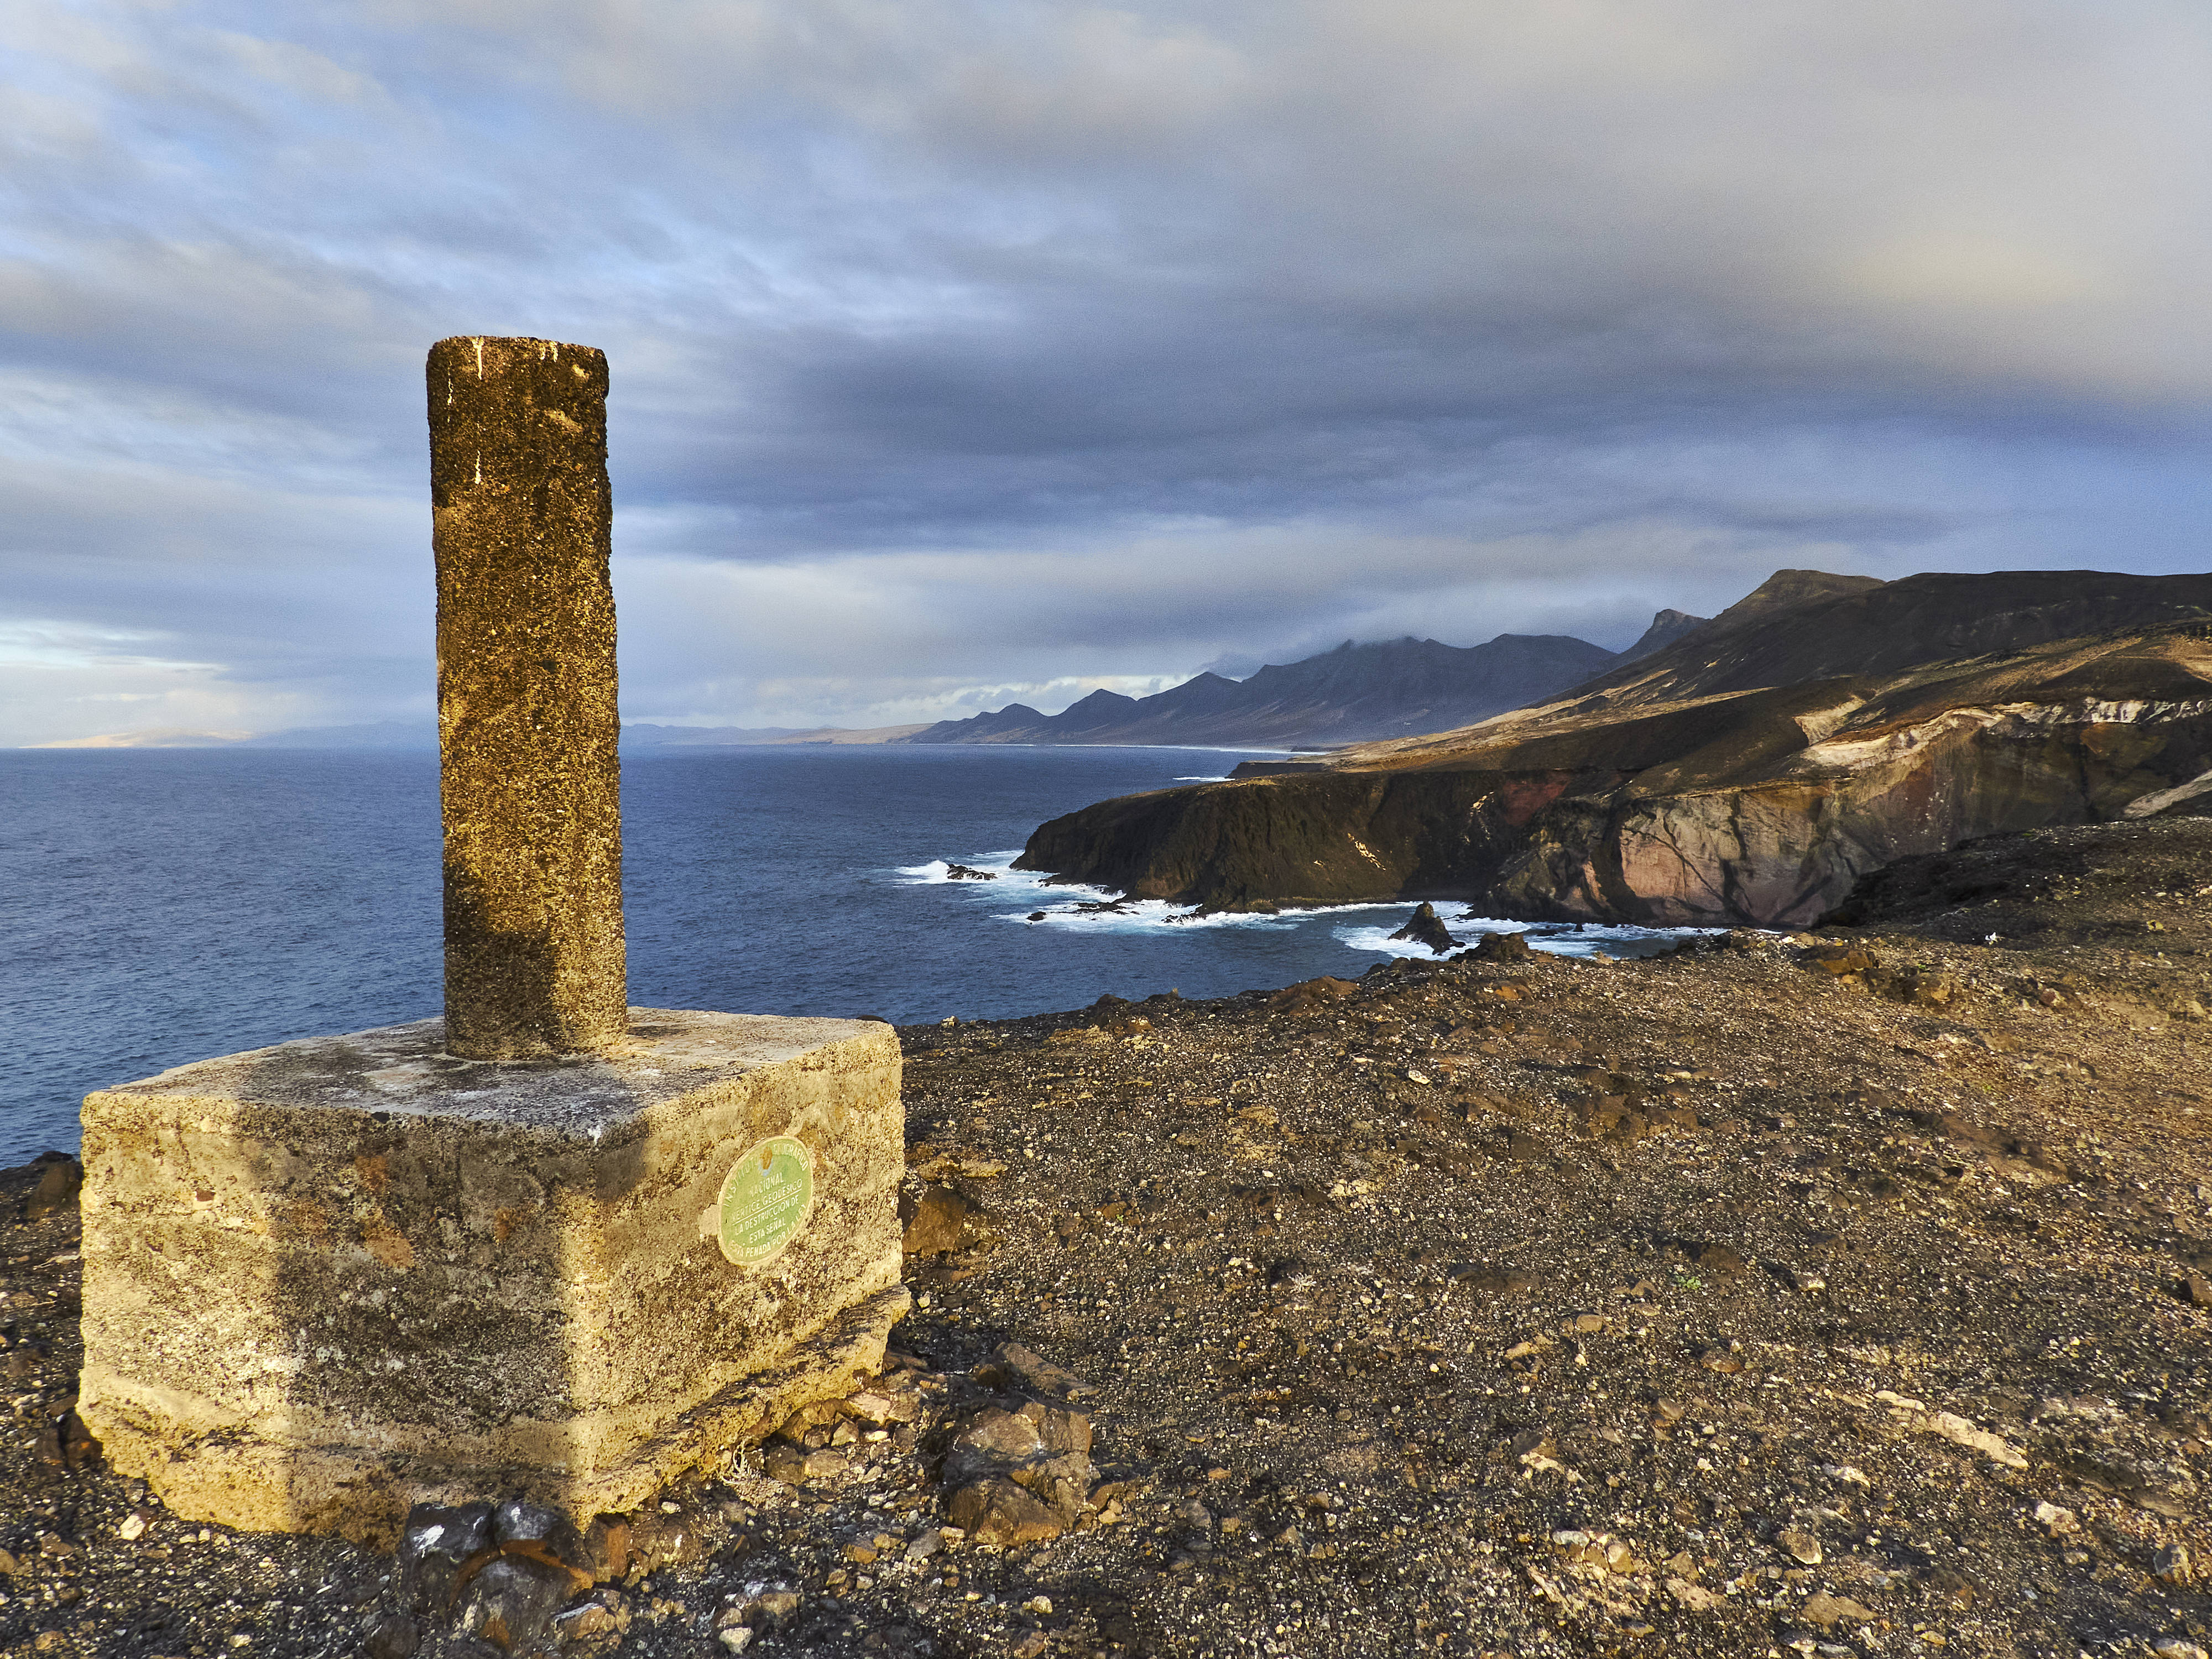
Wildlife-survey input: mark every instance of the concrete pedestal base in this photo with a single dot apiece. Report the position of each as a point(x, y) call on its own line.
point(330, 1280)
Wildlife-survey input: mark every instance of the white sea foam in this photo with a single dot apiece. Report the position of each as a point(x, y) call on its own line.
point(1033, 899)
point(1553, 938)
point(939, 871)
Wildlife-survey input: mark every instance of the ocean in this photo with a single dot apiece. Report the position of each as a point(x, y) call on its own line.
point(161, 906)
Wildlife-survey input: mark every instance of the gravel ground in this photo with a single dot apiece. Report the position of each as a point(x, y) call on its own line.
point(1838, 1294)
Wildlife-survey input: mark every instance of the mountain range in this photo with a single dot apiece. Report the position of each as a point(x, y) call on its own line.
point(1354, 694)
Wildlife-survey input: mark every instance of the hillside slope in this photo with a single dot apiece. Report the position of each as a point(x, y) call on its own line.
point(1748, 773)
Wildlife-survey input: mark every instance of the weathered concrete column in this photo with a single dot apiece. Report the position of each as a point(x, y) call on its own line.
point(529, 780)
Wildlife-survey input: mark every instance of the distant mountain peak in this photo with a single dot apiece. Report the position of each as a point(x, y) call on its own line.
point(1666, 627)
point(1350, 693)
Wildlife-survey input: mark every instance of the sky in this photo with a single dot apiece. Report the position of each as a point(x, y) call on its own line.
point(969, 351)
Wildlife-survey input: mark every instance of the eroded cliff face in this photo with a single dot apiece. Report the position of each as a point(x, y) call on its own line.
point(1760, 807)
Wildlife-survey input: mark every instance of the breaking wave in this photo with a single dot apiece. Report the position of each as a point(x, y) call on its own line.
point(1034, 900)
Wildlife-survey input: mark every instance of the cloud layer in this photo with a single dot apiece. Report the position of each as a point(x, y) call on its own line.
point(973, 349)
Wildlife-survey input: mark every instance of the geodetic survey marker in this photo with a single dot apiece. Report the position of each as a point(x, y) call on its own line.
point(548, 1245)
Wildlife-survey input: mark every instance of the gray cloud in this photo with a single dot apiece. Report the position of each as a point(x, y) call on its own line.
point(969, 351)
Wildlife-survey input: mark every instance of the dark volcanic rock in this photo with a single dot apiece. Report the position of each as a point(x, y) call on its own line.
point(1425, 927)
point(1502, 947)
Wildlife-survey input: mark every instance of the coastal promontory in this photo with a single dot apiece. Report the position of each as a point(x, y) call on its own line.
point(1749, 773)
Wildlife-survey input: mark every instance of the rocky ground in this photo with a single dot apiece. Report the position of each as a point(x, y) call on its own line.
point(1842, 1293)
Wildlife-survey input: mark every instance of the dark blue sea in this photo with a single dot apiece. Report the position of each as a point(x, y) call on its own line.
point(164, 906)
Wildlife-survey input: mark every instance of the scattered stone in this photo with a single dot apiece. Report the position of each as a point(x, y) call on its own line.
point(1959, 1431)
point(2058, 1521)
point(1030, 1370)
point(510, 1600)
point(604, 1613)
point(994, 1510)
point(1694, 1598)
point(1719, 1261)
point(1827, 1611)
point(967, 872)
point(60, 1179)
point(1501, 947)
point(1799, 1545)
point(936, 1221)
point(2171, 1566)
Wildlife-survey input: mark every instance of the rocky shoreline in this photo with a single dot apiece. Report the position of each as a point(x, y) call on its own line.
point(1749, 774)
point(1842, 1293)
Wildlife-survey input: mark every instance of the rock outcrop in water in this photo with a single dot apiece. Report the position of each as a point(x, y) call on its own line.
point(1748, 773)
point(1425, 927)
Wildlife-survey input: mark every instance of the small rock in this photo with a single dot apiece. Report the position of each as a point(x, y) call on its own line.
point(1039, 1374)
point(2056, 1521)
point(1959, 1431)
point(1828, 1611)
point(935, 1221)
point(776, 1605)
point(1694, 1598)
point(1721, 1261)
point(604, 1613)
point(512, 1599)
point(58, 1186)
point(2171, 1564)
point(1502, 947)
point(2195, 1290)
point(548, 1534)
point(1799, 1545)
point(878, 1410)
point(392, 1636)
point(781, 1461)
point(994, 1510)
point(607, 1549)
point(132, 1527)
point(434, 1542)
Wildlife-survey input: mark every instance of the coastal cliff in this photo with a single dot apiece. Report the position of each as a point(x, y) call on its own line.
point(1747, 773)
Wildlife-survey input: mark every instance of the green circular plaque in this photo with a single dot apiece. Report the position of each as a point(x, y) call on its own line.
point(766, 1199)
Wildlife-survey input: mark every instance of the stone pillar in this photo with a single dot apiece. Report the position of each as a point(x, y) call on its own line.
point(529, 780)
point(330, 1280)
